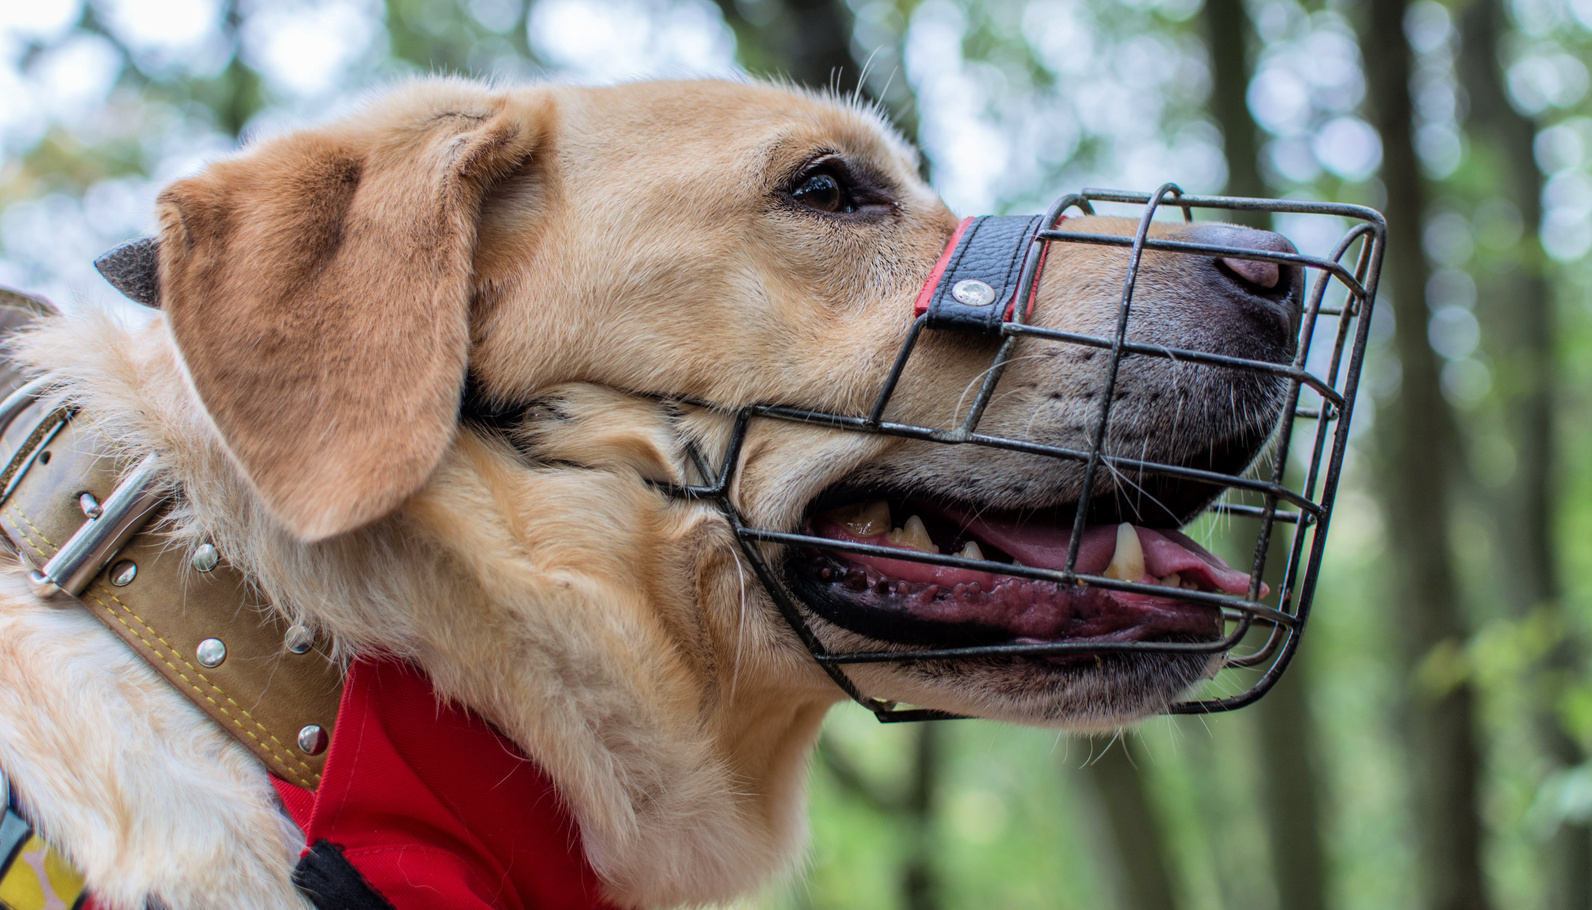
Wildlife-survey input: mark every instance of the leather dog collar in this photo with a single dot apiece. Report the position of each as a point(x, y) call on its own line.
point(82, 519)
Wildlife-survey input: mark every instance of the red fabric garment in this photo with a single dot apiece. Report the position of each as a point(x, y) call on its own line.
point(436, 808)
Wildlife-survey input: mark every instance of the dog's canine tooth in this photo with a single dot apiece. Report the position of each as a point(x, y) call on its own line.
point(914, 535)
point(970, 550)
point(1127, 563)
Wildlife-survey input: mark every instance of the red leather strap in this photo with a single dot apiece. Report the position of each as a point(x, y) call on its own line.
point(933, 282)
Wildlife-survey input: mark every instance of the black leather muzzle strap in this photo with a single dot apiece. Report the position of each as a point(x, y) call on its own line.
point(973, 287)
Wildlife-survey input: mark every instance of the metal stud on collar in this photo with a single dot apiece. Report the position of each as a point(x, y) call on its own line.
point(211, 652)
point(299, 639)
point(312, 739)
point(123, 573)
point(205, 557)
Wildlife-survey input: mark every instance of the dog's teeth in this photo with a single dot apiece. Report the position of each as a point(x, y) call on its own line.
point(1170, 581)
point(1190, 586)
point(1127, 563)
point(914, 535)
point(971, 551)
point(864, 519)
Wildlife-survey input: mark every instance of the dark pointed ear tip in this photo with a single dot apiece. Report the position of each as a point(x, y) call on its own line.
point(134, 269)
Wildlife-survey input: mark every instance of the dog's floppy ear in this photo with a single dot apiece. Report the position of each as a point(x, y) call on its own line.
point(319, 288)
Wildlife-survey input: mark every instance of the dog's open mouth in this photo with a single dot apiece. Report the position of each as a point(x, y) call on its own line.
point(900, 600)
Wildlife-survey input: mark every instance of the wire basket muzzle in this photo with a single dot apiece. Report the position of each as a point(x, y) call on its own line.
point(985, 284)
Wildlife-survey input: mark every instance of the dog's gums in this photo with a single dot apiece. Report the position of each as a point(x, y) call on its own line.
point(907, 601)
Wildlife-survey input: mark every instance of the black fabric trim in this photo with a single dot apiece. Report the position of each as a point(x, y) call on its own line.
point(14, 834)
point(331, 882)
point(134, 269)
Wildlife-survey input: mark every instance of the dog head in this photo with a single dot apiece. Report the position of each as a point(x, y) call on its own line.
point(333, 293)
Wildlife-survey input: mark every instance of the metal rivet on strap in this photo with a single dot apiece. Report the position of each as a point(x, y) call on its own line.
point(972, 292)
point(206, 557)
point(211, 652)
point(312, 739)
point(299, 639)
point(123, 573)
point(89, 504)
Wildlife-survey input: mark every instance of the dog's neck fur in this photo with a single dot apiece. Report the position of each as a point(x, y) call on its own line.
point(540, 598)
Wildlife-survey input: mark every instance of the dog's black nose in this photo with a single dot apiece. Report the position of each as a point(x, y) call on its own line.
point(1269, 296)
point(1254, 275)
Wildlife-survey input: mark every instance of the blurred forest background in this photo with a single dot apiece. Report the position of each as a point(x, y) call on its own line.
point(1429, 749)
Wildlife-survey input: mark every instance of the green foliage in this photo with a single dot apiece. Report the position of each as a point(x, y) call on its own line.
point(1015, 102)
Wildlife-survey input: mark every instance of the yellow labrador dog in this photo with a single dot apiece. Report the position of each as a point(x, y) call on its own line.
point(327, 297)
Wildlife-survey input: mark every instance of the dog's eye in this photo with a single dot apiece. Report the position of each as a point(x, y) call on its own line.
point(823, 191)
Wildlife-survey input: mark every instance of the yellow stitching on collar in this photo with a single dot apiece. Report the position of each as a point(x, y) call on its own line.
point(285, 757)
point(283, 753)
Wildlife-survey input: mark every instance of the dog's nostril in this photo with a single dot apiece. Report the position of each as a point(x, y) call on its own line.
point(1267, 279)
point(1264, 275)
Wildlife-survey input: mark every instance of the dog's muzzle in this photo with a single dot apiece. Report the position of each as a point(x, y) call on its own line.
point(985, 285)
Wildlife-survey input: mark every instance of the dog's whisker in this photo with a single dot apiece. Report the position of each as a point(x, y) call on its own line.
point(979, 378)
point(740, 627)
point(1123, 482)
point(862, 76)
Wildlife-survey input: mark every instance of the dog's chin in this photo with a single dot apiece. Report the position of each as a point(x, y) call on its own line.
point(1104, 694)
point(872, 602)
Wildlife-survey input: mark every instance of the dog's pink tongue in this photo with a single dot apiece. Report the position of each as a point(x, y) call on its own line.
point(1165, 552)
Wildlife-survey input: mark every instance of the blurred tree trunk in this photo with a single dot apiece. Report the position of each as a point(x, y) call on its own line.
point(1145, 879)
point(809, 42)
point(1287, 737)
point(1523, 305)
point(913, 807)
point(1291, 787)
point(1418, 443)
point(1227, 29)
point(240, 98)
point(919, 878)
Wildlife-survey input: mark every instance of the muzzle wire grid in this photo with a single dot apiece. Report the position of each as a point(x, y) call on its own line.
point(1308, 508)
